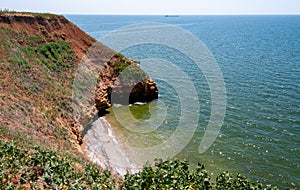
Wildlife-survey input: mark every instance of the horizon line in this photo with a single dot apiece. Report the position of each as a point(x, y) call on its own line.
point(162, 14)
point(208, 14)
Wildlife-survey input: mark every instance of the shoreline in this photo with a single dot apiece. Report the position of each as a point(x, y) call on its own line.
point(104, 149)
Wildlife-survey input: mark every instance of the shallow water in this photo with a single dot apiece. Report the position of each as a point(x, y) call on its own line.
point(259, 57)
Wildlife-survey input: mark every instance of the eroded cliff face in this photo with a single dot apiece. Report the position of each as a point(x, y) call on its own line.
point(122, 81)
point(119, 81)
point(39, 56)
point(50, 28)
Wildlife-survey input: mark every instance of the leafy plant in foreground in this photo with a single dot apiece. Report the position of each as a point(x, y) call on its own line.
point(226, 181)
point(170, 174)
point(37, 168)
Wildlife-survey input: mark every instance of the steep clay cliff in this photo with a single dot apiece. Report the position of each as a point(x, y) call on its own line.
point(50, 27)
point(39, 56)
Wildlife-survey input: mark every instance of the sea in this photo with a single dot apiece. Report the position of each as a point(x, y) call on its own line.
point(259, 59)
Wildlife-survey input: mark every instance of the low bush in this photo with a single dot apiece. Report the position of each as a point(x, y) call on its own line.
point(170, 174)
point(55, 55)
point(38, 168)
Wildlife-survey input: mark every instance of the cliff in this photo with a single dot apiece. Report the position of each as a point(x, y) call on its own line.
point(123, 82)
point(50, 27)
point(39, 56)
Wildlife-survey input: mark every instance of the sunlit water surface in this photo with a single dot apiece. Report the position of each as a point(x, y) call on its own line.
point(260, 60)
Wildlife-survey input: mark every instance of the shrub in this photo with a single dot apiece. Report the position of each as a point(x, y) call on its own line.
point(19, 61)
point(56, 56)
point(226, 181)
point(40, 168)
point(169, 174)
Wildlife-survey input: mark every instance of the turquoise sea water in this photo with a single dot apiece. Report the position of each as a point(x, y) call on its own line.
point(259, 57)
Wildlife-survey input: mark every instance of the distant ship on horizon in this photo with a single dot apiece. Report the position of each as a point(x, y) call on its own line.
point(171, 15)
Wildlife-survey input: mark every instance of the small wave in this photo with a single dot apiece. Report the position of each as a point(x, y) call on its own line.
point(117, 105)
point(104, 149)
point(140, 103)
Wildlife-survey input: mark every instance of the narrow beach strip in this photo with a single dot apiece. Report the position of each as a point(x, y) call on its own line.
point(104, 149)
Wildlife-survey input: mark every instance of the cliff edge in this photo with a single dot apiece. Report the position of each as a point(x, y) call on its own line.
point(50, 27)
point(39, 56)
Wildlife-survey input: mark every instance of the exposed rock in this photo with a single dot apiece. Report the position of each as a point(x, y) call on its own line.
point(144, 91)
point(122, 81)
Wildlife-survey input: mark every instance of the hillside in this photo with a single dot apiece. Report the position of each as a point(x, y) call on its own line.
point(38, 58)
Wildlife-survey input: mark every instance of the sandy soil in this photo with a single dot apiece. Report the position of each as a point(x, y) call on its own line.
point(105, 150)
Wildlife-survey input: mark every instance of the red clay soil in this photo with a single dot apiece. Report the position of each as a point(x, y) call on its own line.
point(51, 27)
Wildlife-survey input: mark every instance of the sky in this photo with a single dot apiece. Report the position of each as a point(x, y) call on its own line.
point(153, 7)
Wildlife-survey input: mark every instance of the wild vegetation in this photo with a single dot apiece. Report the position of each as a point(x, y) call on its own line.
point(38, 168)
point(36, 86)
point(7, 11)
point(129, 70)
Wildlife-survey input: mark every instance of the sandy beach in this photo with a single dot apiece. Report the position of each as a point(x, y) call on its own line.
point(104, 149)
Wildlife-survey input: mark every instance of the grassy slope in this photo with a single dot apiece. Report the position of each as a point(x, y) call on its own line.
point(44, 15)
point(35, 88)
point(35, 97)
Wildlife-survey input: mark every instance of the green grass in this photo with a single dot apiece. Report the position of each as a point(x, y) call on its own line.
point(56, 56)
point(31, 67)
point(129, 71)
point(19, 61)
point(44, 15)
point(120, 66)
